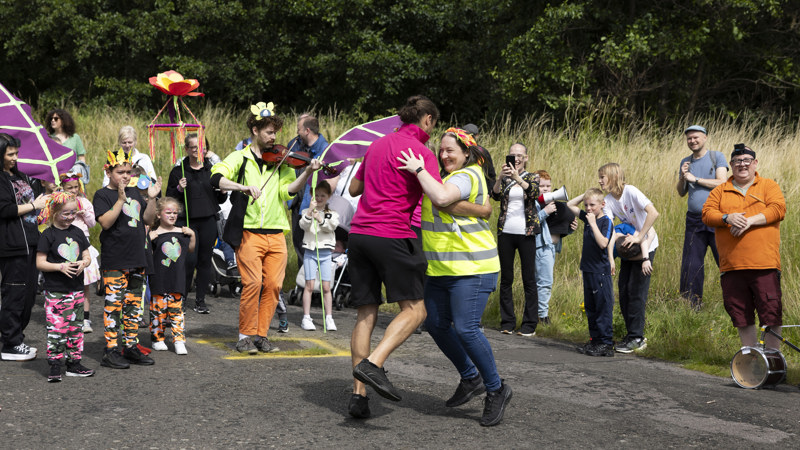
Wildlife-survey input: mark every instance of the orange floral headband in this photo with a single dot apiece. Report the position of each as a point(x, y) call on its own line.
point(463, 136)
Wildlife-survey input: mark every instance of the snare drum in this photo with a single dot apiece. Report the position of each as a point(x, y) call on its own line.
point(754, 367)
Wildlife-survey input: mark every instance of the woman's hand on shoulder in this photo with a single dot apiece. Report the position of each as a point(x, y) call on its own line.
point(411, 162)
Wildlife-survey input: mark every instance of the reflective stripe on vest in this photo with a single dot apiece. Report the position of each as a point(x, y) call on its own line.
point(456, 245)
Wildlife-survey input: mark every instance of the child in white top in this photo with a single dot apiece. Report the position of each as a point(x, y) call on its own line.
point(631, 206)
point(319, 223)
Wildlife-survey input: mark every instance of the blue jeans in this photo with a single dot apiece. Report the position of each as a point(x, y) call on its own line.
point(455, 306)
point(545, 260)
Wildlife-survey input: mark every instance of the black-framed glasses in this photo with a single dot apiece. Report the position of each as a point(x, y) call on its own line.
point(742, 162)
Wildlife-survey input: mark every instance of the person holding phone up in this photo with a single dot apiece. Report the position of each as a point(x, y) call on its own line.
point(517, 227)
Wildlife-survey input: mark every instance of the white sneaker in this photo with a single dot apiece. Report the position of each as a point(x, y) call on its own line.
point(329, 323)
point(180, 348)
point(87, 326)
point(307, 324)
point(159, 346)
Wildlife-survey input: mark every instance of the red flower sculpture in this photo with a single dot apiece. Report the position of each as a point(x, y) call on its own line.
point(173, 83)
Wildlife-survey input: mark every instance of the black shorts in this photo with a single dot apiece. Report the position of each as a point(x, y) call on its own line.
point(397, 263)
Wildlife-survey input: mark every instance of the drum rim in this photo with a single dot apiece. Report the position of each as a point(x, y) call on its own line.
point(762, 354)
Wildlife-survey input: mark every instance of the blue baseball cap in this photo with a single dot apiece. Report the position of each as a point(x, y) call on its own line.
point(696, 128)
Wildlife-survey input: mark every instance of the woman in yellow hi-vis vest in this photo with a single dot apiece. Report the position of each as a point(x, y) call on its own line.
point(462, 270)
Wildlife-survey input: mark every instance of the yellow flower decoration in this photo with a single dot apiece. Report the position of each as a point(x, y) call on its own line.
point(262, 109)
point(114, 159)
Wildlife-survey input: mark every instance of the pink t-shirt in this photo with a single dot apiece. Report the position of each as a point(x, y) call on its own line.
point(391, 194)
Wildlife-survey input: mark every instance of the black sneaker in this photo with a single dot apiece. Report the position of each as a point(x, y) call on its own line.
point(465, 391)
point(283, 326)
point(112, 358)
point(200, 307)
point(55, 371)
point(600, 350)
point(21, 352)
point(359, 406)
point(264, 345)
point(76, 369)
point(495, 405)
point(585, 347)
point(135, 356)
point(544, 320)
point(375, 376)
point(245, 345)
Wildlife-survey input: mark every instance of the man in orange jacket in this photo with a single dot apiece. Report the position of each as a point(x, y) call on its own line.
point(746, 212)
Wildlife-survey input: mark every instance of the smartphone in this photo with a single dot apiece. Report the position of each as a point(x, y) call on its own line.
point(511, 159)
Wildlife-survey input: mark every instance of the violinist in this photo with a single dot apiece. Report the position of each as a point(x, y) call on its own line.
point(262, 253)
point(311, 141)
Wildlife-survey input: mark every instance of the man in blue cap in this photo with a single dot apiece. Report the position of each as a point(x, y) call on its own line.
point(699, 173)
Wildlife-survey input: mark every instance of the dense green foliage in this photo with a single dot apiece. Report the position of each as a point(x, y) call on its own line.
point(473, 57)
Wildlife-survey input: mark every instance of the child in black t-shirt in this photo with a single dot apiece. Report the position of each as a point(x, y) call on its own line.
point(62, 254)
point(598, 290)
point(170, 246)
point(123, 213)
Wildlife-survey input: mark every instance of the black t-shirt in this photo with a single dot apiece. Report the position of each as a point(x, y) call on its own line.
point(122, 245)
point(169, 261)
point(62, 246)
point(593, 258)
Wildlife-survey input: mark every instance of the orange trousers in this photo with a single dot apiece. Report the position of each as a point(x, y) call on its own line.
point(262, 264)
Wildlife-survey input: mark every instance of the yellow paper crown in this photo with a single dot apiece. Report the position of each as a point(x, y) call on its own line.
point(114, 159)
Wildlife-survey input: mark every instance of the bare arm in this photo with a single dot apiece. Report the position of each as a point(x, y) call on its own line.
point(637, 237)
point(573, 204)
point(356, 187)
point(440, 194)
point(189, 232)
point(109, 217)
point(297, 185)
point(466, 208)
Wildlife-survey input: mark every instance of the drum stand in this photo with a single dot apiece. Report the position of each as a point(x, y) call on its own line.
point(757, 367)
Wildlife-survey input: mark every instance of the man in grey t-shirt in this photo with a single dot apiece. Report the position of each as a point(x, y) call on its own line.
point(698, 174)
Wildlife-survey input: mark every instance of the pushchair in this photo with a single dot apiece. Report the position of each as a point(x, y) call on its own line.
point(221, 276)
point(340, 288)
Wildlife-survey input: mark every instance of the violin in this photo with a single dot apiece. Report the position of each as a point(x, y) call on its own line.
point(295, 160)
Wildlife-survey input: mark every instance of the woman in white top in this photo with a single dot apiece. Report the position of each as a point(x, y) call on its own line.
point(631, 206)
point(517, 227)
point(127, 141)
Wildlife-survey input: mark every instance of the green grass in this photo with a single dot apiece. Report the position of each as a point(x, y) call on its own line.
point(648, 153)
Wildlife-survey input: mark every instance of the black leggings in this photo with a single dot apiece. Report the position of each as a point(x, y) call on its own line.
point(205, 230)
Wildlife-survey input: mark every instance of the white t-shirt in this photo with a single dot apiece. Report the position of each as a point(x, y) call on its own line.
point(142, 160)
point(515, 214)
point(630, 209)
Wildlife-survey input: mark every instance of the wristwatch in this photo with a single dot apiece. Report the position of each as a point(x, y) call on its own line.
point(725, 218)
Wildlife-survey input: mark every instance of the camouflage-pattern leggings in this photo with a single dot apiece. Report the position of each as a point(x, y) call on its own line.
point(163, 307)
point(123, 305)
point(64, 315)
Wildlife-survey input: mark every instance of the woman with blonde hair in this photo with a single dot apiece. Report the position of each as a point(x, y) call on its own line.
point(631, 206)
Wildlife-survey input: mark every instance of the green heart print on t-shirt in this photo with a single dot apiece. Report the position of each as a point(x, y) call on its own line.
point(131, 208)
point(69, 250)
point(172, 251)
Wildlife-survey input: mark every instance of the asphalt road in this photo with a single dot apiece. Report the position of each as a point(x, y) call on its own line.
point(207, 399)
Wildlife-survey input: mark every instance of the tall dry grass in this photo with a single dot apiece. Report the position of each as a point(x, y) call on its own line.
point(649, 153)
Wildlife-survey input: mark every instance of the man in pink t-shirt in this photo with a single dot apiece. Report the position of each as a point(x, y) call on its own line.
point(384, 250)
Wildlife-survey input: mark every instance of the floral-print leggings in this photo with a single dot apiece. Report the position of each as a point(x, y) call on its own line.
point(123, 305)
point(64, 314)
point(163, 307)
